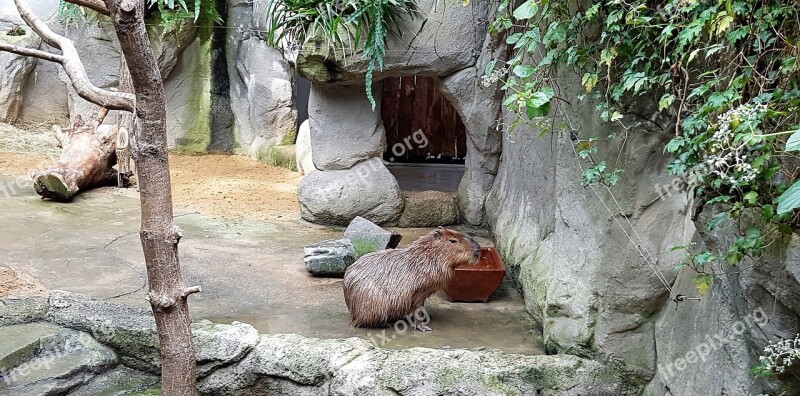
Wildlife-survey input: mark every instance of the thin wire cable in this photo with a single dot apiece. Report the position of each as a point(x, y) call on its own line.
point(647, 257)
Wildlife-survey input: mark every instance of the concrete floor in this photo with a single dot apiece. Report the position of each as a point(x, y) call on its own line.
point(250, 271)
point(424, 177)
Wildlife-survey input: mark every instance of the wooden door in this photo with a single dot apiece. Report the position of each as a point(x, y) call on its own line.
point(421, 125)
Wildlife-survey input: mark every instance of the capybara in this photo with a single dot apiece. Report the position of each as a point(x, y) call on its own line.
point(386, 286)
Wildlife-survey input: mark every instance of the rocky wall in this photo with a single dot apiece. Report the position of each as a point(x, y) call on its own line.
point(226, 90)
point(578, 252)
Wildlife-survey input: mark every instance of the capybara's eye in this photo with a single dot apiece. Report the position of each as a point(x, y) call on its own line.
point(453, 240)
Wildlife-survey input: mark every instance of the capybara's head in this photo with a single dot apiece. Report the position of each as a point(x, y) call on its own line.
point(454, 248)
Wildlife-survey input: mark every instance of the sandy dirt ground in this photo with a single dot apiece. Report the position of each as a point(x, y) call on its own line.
point(18, 283)
point(232, 187)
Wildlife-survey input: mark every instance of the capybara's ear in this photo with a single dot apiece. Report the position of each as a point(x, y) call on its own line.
point(437, 233)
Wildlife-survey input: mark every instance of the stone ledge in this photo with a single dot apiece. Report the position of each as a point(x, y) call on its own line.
point(234, 359)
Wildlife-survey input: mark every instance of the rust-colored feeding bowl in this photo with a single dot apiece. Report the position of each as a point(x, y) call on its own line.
point(475, 283)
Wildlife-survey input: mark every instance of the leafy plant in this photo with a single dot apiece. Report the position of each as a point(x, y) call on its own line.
point(727, 71)
point(342, 25)
point(170, 15)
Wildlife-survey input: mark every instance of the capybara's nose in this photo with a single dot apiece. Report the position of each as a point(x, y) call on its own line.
point(476, 250)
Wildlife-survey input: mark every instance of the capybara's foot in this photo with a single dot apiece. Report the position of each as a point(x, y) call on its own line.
point(422, 327)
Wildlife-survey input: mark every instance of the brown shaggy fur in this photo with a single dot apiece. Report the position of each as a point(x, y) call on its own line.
point(386, 286)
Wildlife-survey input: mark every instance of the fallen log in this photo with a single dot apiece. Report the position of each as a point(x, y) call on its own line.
point(86, 161)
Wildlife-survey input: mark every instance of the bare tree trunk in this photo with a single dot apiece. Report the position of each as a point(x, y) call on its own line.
point(86, 161)
point(159, 235)
point(167, 292)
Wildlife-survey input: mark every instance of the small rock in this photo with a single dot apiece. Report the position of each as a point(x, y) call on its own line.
point(329, 258)
point(368, 237)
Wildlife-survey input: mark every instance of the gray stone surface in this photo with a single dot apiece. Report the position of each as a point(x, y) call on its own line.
point(344, 128)
point(583, 279)
point(429, 209)
point(217, 345)
point(14, 72)
point(261, 96)
point(130, 331)
point(729, 328)
point(337, 197)
point(368, 237)
point(329, 258)
point(481, 111)
point(281, 365)
point(303, 156)
point(120, 381)
point(19, 310)
point(441, 40)
point(61, 360)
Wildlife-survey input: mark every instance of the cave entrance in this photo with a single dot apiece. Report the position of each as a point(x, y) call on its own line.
point(426, 140)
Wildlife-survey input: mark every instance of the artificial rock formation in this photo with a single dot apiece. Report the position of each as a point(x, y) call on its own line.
point(344, 131)
point(15, 70)
point(114, 347)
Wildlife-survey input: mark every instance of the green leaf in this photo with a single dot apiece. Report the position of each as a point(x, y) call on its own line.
point(512, 39)
point(716, 220)
point(751, 197)
point(539, 104)
point(666, 101)
point(793, 144)
point(490, 67)
point(526, 11)
point(790, 199)
point(676, 248)
point(523, 71)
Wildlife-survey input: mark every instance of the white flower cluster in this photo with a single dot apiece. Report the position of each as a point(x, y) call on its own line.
point(727, 158)
point(782, 354)
point(494, 77)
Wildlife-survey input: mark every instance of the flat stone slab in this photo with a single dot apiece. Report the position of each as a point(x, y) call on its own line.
point(63, 359)
point(329, 258)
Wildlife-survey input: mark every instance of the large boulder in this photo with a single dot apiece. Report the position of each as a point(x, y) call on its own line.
point(14, 71)
point(344, 128)
point(337, 197)
point(442, 39)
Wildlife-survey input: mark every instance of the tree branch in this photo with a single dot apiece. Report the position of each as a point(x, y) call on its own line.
point(72, 64)
point(95, 5)
point(31, 52)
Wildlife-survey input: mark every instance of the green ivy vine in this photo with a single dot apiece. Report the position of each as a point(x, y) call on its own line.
point(725, 71)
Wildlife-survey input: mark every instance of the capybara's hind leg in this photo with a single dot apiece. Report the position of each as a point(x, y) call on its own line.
point(420, 323)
